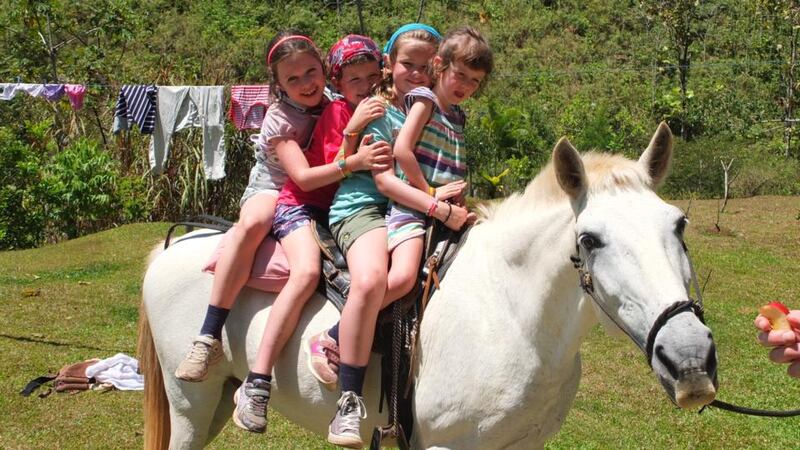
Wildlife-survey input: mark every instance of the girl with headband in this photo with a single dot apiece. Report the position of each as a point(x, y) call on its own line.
point(314, 175)
point(297, 78)
point(358, 223)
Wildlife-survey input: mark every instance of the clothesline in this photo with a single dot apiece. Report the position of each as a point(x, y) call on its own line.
point(160, 111)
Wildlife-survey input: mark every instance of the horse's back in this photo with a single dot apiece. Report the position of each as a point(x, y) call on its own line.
point(176, 292)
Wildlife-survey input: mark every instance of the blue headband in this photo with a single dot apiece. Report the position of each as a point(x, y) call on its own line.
point(409, 27)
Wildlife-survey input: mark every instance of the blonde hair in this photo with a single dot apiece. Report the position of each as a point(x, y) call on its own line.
point(386, 87)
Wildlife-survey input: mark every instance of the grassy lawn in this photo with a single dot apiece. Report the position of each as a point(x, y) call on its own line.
point(79, 299)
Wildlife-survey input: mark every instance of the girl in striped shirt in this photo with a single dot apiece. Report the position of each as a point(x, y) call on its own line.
point(429, 149)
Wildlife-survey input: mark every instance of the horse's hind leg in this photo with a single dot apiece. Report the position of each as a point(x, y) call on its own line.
point(224, 408)
point(192, 410)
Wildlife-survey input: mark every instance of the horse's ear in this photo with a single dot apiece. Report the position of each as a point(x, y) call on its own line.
point(658, 156)
point(569, 169)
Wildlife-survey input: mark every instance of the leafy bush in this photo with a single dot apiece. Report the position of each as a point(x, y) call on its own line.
point(22, 214)
point(756, 169)
point(85, 193)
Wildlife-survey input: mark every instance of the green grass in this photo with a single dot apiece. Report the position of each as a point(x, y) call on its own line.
point(79, 299)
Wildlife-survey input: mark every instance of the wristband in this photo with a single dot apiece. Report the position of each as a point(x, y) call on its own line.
point(449, 210)
point(350, 134)
point(432, 208)
point(342, 166)
point(432, 191)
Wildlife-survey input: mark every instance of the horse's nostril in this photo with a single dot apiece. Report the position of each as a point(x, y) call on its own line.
point(711, 365)
point(666, 362)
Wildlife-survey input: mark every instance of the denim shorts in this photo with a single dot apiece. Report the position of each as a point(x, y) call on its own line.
point(291, 217)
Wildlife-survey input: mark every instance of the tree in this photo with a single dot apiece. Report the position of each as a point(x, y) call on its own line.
point(686, 22)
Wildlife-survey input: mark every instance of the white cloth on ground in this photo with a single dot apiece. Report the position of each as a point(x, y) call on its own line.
point(120, 370)
point(180, 107)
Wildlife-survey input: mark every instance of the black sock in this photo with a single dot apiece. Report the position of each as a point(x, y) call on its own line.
point(215, 319)
point(334, 333)
point(252, 376)
point(352, 378)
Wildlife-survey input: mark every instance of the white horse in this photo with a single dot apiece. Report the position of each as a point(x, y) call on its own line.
point(499, 361)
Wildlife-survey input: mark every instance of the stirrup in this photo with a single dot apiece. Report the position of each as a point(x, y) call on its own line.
point(389, 436)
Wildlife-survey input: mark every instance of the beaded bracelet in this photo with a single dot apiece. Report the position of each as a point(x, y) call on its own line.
point(342, 166)
point(432, 208)
point(349, 134)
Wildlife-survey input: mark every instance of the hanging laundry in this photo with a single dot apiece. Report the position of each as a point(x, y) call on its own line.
point(11, 89)
point(76, 92)
point(136, 102)
point(181, 107)
point(53, 92)
point(248, 106)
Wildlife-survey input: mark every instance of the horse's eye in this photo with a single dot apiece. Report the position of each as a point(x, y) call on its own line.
point(588, 242)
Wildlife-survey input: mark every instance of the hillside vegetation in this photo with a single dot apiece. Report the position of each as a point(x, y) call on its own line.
point(603, 72)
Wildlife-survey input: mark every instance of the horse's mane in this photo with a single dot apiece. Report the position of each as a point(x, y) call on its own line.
point(605, 172)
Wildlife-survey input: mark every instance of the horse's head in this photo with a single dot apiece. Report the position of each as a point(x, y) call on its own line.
point(630, 244)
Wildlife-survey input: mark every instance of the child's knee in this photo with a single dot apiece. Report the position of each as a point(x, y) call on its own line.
point(403, 279)
point(305, 274)
point(371, 284)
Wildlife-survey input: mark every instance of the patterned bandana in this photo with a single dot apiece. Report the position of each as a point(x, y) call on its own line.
point(349, 47)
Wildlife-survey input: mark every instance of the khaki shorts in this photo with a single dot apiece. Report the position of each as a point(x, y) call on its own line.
point(354, 226)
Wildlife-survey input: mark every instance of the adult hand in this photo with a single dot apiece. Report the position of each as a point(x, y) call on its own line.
point(366, 111)
point(371, 155)
point(785, 344)
point(450, 190)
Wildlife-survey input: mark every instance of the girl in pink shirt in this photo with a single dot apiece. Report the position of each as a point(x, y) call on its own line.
point(306, 196)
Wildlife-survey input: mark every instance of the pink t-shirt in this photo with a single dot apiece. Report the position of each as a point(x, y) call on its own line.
point(325, 143)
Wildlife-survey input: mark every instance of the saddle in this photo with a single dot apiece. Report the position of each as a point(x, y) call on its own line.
point(397, 329)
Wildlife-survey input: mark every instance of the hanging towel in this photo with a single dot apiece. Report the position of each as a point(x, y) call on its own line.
point(53, 92)
point(76, 92)
point(8, 90)
point(136, 102)
point(248, 106)
point(11, 89)
point(120, 370)
point(181, 107)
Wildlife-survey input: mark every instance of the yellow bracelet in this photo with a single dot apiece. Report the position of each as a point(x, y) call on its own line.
point(432, 191)
point(350, 134)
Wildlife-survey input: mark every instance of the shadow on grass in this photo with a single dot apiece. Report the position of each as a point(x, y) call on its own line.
point(53, 343)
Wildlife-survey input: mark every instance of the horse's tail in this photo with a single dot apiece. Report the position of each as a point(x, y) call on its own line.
point(156, 406)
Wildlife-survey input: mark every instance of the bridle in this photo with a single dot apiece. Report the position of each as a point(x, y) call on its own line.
point(695, 306)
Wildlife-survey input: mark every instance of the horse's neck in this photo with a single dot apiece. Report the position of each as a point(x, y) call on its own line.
point(517, 278)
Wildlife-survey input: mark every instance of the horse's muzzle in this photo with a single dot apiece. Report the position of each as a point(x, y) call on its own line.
point(694, 389)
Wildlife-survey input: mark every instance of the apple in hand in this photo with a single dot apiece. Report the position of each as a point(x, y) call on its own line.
point(776, 313)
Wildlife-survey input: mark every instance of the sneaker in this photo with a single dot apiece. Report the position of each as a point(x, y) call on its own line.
point(344, 429)
point(251, 406)
point(323, 359)
point(205, 352)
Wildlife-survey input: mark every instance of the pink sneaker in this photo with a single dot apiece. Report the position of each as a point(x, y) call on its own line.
point(323, 359)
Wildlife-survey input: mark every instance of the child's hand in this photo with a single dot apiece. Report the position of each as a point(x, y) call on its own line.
point(372, 155)
point(453, 216)
point(450, 190)
point(367, 110)
point(785, 344)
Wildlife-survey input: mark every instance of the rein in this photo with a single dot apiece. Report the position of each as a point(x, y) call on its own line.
point(695, 306)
